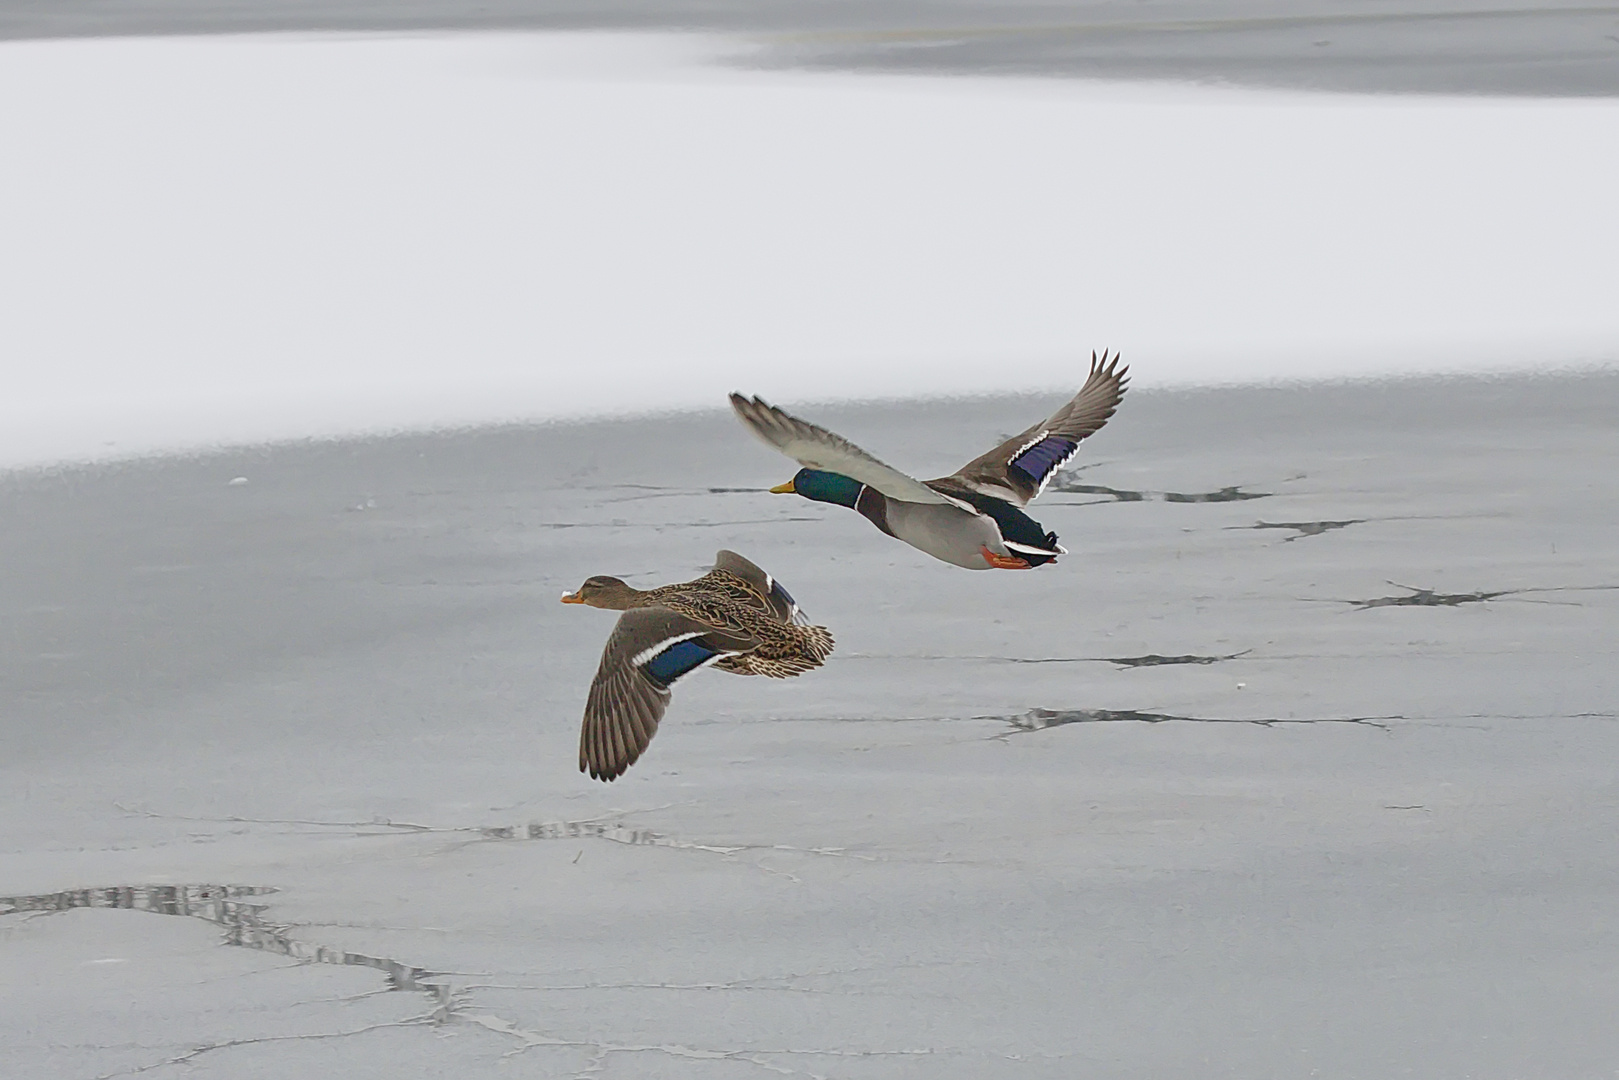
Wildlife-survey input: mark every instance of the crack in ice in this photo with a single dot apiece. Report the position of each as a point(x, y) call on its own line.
point(314, 1036)
point(1041, 719)
point(244, 924)
point(1431, 598)
point(1305, 528)
point(1068, 484)
point(1147, 660)
point(534, 1039)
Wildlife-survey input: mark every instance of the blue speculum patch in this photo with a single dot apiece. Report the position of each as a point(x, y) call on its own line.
point(677, 660)
point(1043, 456)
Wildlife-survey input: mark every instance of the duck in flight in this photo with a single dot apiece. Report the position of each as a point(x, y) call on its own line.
point(736, 617)
point(973, 517)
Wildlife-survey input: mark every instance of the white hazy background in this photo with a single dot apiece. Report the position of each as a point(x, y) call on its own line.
point(240, 239)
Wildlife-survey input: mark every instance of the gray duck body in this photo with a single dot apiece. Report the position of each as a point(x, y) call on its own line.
point(943, 530)
point(972, 518)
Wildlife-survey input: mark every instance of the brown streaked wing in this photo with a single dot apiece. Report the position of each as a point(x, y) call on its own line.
point(730, 562)
point(774, 594)
point(624, 705)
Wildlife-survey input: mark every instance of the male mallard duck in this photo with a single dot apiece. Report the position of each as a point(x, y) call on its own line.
point(736, 617)
point(972, 518)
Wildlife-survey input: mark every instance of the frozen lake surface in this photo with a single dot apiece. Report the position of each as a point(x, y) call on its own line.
point(241, 239)
point(1361, 830)
point(1302, 764)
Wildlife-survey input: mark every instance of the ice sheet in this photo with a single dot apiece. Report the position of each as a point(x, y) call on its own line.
point(240, 239)
point(1375, 840)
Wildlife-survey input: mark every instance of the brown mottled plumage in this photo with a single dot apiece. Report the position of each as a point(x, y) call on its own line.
point(735, 617)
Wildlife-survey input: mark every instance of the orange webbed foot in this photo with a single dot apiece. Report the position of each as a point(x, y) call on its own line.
point(1003, 562)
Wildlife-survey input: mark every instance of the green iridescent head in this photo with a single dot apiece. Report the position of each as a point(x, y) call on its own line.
point(827, 487)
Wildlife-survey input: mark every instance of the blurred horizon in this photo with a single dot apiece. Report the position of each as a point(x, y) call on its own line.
point(1368, 46)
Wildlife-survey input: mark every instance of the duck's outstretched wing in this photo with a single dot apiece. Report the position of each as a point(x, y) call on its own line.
point(649, 650)
point(817, 448)
point(778, 600)
point(1017, 470)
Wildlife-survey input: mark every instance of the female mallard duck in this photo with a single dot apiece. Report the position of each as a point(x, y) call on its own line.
point(736, 617)
point(972, 518)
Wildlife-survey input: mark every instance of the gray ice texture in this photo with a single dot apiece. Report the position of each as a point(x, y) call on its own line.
point(1545, 48)
point(1302, 764)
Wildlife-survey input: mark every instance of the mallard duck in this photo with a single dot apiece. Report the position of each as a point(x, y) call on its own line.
point(973, 517)
point(736, 617)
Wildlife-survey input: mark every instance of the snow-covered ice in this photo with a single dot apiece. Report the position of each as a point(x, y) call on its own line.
point(243, 238)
